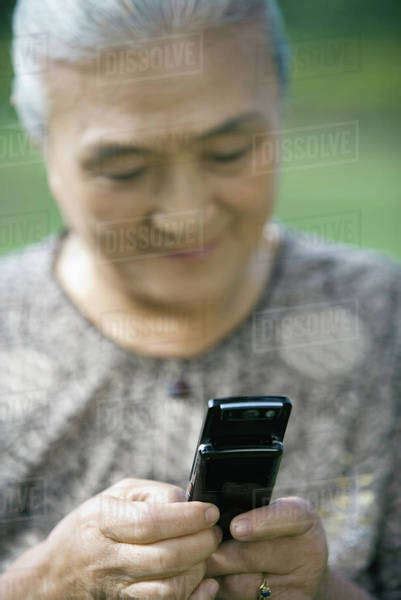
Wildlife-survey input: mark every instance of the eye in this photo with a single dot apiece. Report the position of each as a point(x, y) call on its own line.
point(126, 176)
point(228, 157)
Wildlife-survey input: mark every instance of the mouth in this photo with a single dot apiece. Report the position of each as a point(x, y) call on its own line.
point(197, 254)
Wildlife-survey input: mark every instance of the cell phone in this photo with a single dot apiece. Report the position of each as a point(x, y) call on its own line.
point(238, 454)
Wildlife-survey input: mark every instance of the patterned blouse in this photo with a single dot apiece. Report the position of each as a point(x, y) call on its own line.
point(78, 412)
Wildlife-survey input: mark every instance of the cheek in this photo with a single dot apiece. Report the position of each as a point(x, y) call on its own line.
point(252, 197)
point(85, 198)
point(103, 203)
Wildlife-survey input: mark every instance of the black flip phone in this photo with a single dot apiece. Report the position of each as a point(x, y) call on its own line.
point(238, 454)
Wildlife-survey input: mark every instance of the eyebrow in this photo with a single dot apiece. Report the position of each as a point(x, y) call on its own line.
point(234, 124)
point(101, 152)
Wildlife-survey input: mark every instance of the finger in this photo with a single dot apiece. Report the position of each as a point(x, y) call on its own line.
point(159, 590)
point(207, 590)
point(179, 586)
point(173, 587)
point(148, 522)
point(167, 558)
point(289, 516)
point(145, 490)
point(246, 587)
point(277, 556)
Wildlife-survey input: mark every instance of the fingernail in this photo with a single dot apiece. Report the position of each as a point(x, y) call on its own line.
point(242, 527)
point(219, 533)
point(212, 587)
point(212, 514)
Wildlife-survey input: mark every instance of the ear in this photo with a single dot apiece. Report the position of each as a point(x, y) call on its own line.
point(53, 179)
point(52, 175)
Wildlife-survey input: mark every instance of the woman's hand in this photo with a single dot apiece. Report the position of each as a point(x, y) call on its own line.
point(137, 539)
point(286, 540)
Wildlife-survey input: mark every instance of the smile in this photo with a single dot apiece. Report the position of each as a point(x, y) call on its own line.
point(198, 254)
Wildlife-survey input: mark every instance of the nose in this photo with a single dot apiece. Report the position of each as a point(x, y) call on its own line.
point(183, 197)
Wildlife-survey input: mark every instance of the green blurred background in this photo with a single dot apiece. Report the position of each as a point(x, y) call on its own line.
point(346, 70)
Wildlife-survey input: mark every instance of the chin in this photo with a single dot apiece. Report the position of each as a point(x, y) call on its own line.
point(183, 294)
point(188, 295)
point(173, 286)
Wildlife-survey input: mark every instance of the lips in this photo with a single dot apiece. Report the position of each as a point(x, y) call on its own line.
point(197, 253)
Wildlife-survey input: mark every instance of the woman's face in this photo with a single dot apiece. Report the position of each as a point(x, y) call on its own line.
point(159, 174)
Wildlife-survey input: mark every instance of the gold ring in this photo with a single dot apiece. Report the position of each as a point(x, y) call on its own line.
point(264, 589)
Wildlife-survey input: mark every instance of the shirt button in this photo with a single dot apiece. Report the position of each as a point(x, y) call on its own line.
point(179, 389)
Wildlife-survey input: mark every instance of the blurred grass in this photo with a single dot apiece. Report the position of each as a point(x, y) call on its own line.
point(363, 194)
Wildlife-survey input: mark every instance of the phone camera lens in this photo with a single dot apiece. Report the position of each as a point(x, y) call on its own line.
point(250, 414)
point(270, 414)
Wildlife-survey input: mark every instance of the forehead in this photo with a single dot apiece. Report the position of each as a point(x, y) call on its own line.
point(185, 83)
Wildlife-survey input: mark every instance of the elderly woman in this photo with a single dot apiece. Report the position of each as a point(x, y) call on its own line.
point(169, 285)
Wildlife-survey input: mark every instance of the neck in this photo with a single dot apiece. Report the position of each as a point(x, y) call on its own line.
point(154, 329)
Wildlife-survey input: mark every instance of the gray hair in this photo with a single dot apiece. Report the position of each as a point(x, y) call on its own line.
point(47, 30)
